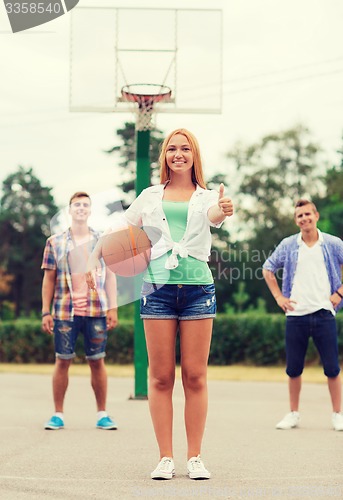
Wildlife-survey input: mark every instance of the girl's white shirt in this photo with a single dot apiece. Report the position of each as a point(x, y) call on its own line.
point(147, 212)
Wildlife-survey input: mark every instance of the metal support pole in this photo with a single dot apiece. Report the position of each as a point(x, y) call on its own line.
point(140, 352)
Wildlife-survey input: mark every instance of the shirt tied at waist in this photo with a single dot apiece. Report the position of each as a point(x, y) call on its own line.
point(172, 261)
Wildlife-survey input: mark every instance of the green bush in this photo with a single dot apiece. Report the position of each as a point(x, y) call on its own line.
point(120, 343)
point(248, 338)
point(252, 338)
point(257, 339)
point(23, 341)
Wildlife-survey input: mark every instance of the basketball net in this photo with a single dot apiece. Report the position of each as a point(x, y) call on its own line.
point(145, 115)
point(143, 98)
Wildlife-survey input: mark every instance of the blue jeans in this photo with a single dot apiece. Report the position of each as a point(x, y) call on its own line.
point(182, 302)
point(321, 326)
point(94, 333)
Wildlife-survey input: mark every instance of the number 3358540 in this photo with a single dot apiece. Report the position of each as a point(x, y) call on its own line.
point(33, 8)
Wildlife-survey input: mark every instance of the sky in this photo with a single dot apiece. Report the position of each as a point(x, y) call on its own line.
point(282, 65)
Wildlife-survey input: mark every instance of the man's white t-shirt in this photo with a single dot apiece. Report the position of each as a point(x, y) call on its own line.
point(311, 287)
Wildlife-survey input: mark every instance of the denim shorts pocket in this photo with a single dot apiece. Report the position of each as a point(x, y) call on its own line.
point(147, 289)
point(208, 289)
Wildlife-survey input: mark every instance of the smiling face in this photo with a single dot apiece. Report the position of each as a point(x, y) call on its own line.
point(179, 156)
point(306, 217)
point(192, 144)
point(80, 209)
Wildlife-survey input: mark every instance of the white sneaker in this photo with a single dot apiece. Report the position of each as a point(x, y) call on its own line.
point(196, 469)
point(164, 470)
point(337, 421)
point(289, 421)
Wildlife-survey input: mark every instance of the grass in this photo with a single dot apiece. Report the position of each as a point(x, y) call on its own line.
point(312, 374)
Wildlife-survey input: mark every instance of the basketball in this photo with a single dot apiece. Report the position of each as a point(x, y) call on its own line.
point(126, 252)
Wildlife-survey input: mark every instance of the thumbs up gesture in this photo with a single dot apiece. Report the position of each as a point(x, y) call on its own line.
point(224, 202)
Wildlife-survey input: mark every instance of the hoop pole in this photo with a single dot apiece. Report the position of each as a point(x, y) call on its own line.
point(140, 351)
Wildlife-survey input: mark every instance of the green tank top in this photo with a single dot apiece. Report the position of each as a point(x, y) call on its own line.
point(190, 271)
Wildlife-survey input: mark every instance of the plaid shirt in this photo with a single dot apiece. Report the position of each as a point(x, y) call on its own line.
point(286, 256)
point(56, 258)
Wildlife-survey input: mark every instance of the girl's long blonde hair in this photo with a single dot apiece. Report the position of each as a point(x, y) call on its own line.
point(197, 171)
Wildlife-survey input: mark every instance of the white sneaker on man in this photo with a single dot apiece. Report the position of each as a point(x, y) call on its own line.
point(196, 469)
point(337, 421)
point(289, 421)
point(165, 469)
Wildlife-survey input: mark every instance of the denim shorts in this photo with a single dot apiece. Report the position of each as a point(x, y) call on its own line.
point(180, 302)
point(321, 326)
point(94, 334)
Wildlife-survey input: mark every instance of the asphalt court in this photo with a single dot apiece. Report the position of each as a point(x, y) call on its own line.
point(247, 456)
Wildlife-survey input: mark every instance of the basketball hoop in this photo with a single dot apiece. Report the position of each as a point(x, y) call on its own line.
point(146, 95)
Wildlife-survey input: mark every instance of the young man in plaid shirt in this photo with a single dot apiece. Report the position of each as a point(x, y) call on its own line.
point(76, 309)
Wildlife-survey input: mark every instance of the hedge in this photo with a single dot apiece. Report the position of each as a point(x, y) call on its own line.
point(252, 338)
point(257, 339)
point(23, 341)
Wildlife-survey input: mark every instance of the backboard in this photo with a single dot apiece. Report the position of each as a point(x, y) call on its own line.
point(112, 47)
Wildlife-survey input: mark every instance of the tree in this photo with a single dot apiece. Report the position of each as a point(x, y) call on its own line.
point(25, 213)
point(5, 288)
point(274, 173)
point(240, 297)
point(331, 205)
point(222, 256)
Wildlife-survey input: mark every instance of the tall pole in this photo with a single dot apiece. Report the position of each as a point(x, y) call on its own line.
point(140, 352)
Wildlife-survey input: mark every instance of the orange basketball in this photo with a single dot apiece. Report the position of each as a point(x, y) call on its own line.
point(126, 251)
